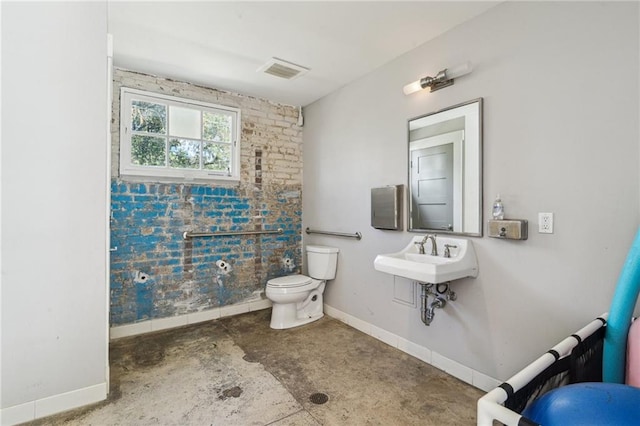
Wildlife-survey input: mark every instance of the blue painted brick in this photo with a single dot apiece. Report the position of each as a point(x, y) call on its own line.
point(118, 266)
point(118, 214)
point(134, 205)
point(122, 188)
point(201, 266)
point(146, 240)
point(143, 198)
point(163, 208)
point(139, 188)
point(174, 245)
point(121, 198)
point(198, 190)
point(144, 214)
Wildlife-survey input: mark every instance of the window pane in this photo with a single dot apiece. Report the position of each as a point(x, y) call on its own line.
point(216, 156)
point(184, 122)
point(217, 127)
point(148, 117)
point(147, 150)
point(184, 154)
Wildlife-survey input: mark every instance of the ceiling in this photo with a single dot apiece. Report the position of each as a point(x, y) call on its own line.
point(223, 44)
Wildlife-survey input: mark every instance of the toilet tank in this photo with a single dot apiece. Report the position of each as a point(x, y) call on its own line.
point(322, 262)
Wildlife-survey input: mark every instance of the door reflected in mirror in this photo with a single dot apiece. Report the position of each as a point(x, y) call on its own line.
point(445, 171)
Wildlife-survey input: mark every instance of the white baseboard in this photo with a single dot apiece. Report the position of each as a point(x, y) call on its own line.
point(449, 366)
point(52, 405)
point(143, 327)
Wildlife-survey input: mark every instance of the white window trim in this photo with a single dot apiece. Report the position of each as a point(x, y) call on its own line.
point(138, 173)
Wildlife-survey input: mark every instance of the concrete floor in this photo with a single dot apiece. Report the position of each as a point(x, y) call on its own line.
point(237, 371)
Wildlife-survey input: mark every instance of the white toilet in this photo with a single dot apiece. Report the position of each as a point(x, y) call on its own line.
point(297, 299)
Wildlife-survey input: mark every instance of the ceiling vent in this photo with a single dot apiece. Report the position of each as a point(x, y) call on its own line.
point(283, 69)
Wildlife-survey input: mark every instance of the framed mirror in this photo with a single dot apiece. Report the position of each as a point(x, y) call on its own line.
point(445, 171)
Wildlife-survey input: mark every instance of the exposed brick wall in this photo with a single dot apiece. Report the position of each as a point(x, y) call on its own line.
point(155, 273)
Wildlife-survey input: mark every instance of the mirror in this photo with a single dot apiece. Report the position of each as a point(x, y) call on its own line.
point(445, 171)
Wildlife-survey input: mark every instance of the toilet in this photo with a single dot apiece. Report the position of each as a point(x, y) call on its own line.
point(297, 299)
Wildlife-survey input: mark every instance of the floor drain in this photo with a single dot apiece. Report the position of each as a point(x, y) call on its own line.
point(319, 398)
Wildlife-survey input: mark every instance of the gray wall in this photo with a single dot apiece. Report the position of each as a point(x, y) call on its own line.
point(560, 85)
point(54, 205)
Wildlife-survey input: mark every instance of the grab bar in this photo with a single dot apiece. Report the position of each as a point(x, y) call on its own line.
point(189, 234)
point(357, 235)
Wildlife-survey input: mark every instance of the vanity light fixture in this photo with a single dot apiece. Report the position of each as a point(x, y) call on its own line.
point(444, 78)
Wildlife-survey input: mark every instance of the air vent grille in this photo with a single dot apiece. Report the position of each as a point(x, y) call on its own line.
point(283, 69)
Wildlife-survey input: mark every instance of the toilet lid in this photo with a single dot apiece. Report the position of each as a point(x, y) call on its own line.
point(290, 281)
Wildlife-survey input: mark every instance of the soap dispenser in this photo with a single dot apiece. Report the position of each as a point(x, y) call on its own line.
point(506, 229)
point(498, 209)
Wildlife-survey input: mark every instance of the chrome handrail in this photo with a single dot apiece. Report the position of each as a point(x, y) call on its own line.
point(191, 234)
point(357, 235)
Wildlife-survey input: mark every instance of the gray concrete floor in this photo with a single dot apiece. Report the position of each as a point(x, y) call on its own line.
point(237, 371)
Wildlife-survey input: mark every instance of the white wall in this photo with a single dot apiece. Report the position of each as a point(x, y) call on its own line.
point(560, 88)
point(54, 212)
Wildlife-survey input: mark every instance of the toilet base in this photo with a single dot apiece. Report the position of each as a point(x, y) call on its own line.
point(295, 309)
point(281, 322)
point(289, 315)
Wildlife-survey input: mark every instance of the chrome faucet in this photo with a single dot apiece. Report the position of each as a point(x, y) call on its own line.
point(434, 247)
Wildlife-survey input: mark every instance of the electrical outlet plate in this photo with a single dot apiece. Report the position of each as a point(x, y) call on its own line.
point(545, 223)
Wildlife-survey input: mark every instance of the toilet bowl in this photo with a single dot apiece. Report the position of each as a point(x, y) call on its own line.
point(297, 299)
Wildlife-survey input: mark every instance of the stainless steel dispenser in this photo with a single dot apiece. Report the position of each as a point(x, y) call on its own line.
point(509, 229)
point(386, 207)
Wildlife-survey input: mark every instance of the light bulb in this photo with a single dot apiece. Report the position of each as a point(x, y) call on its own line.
point(459, 70)
point(412, 87)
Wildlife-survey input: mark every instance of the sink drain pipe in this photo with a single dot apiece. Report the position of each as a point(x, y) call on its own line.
point(441, 294)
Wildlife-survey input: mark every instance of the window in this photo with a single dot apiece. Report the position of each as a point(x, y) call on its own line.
point(179, 139)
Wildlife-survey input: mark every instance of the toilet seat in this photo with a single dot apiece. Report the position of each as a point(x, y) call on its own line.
point(289, 281)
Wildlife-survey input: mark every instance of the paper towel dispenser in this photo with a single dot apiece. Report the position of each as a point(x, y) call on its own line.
point(386, 207)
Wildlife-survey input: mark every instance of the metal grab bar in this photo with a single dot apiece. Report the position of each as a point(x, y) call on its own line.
point(357, 235)
point(189, 234)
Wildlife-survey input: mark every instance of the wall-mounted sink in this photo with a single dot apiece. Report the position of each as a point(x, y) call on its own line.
point(409, 263)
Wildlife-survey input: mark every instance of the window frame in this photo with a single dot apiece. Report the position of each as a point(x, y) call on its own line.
point(167, 173)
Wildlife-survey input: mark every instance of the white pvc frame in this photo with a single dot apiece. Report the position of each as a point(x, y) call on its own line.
point(491, 406)
point(130, 170)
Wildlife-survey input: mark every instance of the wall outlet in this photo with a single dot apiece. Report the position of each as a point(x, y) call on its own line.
point(545, 223)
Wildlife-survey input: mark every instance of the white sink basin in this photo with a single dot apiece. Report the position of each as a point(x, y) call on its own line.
point(409, 263)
